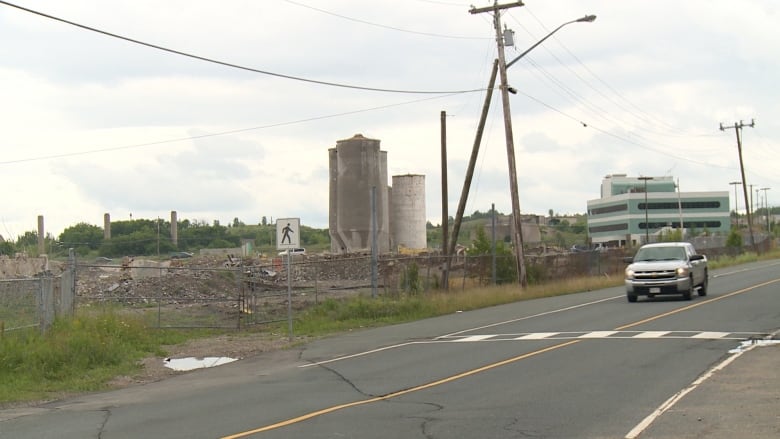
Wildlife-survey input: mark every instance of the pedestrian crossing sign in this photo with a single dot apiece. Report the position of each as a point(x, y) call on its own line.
point(288, 233)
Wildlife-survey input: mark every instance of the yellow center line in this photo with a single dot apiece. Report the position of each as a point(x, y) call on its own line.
point(399, 393)
point(471, 372)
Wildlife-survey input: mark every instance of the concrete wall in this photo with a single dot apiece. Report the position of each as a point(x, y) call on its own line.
point(22, 266)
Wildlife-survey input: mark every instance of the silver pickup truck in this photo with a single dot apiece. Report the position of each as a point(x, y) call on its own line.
point(666, 268)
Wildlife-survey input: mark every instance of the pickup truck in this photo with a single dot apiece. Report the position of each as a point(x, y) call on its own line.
point(666, 268)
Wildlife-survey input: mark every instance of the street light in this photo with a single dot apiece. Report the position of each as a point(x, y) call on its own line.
point(766, 209)
point(585, 19)
point(736, 202)
point(647, 223)
point(517, 235)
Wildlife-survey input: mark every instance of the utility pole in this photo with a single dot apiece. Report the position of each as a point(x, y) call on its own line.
point(464, 194)
point(738, 130)
point(517, 231)
point(736, 202)
point(445, 226)
point(647, 222)
point(766, 209)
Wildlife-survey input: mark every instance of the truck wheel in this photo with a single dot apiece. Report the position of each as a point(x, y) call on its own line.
point(688, 294)
point(631, 297)
point(704, 284)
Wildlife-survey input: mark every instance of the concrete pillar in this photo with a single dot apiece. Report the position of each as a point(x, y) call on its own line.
point(106, 226)
point(174, 229)
point(41, 237)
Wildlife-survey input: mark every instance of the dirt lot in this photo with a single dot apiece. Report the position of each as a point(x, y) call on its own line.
point(183, 282)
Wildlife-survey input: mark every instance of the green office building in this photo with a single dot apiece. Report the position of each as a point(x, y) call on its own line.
point(635, 210)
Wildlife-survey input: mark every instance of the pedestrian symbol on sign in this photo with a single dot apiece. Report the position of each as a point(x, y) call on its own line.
point(286, 230)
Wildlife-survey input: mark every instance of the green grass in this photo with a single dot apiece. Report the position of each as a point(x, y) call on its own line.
point(333, 316)
point(79, 354)
point(743, 258)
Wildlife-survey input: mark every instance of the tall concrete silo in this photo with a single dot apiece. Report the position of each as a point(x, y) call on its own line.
point(407, 212)
point(357, 165)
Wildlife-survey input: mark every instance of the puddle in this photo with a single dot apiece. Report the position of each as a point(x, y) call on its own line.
point(747, 343)
point(191, 363)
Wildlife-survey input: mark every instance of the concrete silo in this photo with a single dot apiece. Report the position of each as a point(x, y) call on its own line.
point(357, 165)
point(407, 212)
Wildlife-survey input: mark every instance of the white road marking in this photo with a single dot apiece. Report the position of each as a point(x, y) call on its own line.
point(474, 338)
point(651, 334)
point(598, 334)
point(669, 403)
point(711, 335)
point(536, 336)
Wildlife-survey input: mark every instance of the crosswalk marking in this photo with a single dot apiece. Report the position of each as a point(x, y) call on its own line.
point(601, 335)
point(711, 335)
point(598, 334)
point(475, 338)
point(536, 336)
point(651, 334)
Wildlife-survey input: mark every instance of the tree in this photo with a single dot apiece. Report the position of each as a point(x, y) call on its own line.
point(7, 248)
point(29, 239)
point(505, 263)
point(82, 238)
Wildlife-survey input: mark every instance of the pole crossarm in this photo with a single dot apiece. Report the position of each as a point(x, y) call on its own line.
point(495, 7)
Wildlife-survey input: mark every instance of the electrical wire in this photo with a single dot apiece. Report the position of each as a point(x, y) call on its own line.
point(357, 20)
point(231, 65)
point(222, 133)
point(618, 137)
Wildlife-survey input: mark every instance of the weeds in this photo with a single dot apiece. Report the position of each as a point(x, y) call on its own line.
point(78, 354)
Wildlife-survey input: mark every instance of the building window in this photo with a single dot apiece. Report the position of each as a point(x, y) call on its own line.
point(608, 228)
point(676, 225)
point(609, 209)
point(685, 205)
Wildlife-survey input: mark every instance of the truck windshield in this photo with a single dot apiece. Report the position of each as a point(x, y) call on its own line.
point(660, 254)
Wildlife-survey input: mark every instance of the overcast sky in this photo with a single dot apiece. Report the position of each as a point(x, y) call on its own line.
point(93, 124)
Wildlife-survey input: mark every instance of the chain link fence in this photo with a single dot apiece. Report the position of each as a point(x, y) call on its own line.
point(36, 302)
point(236, 292)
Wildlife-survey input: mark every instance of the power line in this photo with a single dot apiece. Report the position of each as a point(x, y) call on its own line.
point(616, 136)
point(357, 20)
point(636, 112)
point(222, 133)
point(227, 64)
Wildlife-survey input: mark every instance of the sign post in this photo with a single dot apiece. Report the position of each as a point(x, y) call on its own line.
point(288, 237)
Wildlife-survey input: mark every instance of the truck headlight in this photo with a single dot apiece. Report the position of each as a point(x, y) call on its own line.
point(682, 272)
point(629, 273)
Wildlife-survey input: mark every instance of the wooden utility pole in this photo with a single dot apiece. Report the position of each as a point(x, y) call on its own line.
point(445, 226)
point(738, 130)
point(517, 231)
point(464, 194)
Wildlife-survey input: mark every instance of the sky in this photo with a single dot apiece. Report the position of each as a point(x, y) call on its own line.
point(225, 110)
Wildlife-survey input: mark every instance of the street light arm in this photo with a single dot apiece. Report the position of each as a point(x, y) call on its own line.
point(586, 19)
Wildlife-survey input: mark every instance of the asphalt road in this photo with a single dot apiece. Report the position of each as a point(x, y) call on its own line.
point(588, 365)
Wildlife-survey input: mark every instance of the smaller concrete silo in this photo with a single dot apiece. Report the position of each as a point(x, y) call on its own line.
point(407, 212)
